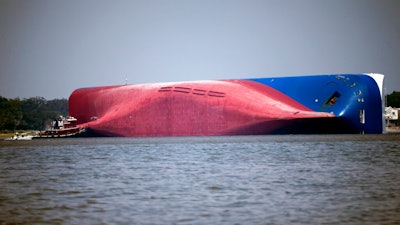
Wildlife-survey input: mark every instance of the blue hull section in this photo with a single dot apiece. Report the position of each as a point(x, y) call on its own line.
point(354, 99)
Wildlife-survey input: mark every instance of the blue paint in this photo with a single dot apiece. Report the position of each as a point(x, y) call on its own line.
point(344, 95)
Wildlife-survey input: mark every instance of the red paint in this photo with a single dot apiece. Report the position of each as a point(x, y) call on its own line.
point(199, 108)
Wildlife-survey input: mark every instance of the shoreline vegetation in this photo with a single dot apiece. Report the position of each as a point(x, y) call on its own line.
point(29, 114)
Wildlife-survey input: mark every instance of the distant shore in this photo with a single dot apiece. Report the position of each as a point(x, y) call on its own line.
point(392, 129)
point(9, 134)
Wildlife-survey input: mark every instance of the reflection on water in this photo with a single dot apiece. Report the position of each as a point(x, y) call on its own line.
point(333, 179)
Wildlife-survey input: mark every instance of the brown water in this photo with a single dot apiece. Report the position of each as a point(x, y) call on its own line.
point(331, 179)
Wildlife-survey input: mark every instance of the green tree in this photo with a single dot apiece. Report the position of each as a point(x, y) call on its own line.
point(31, 113)
point(10, 113)
point(393, 99)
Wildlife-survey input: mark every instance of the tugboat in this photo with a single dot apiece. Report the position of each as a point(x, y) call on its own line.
point(62, 127)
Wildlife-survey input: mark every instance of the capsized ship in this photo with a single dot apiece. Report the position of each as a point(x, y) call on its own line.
point(328, 104)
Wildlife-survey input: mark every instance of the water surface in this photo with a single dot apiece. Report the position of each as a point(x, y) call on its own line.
point(290, 179)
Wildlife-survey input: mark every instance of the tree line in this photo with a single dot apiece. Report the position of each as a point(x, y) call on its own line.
point(393, 99)
point(30, 114)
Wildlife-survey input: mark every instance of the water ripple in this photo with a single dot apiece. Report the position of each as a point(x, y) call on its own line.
point(333, 179)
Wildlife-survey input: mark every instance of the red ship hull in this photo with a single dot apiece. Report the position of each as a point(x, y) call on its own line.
point(202, 108)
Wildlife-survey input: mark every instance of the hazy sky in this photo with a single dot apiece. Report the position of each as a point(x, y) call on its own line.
point(48, 48)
